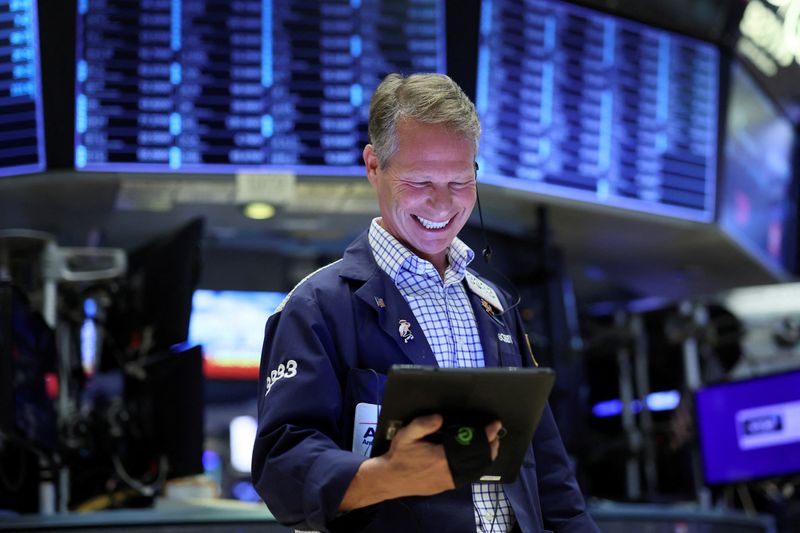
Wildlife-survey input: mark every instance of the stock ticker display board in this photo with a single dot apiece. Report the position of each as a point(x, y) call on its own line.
point(583, 105)
point(21, 121)
point(218, 85)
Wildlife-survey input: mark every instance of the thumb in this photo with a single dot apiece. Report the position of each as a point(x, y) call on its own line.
point(419, 428)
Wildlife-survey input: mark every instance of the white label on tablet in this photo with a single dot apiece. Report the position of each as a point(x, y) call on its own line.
point(366, 421)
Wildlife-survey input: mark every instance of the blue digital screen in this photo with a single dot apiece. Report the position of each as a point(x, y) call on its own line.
point(756, 201)
point(750, 429)
point(213, 86)
point(587, 106)
point(21, 121)
point(230, 327)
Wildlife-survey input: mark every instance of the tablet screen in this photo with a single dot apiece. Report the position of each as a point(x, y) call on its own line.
point(515, 396)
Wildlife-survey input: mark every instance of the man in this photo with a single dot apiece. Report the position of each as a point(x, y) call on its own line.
point(400, 295)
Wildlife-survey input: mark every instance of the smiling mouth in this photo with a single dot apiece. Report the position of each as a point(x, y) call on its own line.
point(430, 224)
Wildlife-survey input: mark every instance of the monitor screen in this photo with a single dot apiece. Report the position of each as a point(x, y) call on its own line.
point(21, 121)
point(756, 206)
point(230, 327)
point(750, 429)
point(586, 106)
point(204, 86)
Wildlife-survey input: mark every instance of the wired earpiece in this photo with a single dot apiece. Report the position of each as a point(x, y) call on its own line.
point(487, 250)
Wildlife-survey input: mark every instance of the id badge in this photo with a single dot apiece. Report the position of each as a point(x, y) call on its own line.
point(364, 426)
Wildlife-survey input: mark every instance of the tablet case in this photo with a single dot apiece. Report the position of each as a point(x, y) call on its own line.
point(515, 396)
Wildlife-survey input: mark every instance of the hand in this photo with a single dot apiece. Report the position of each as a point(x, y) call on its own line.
point(411, 467)
point(418, 467)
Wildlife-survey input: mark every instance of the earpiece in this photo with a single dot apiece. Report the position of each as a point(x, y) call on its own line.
point(487, 249)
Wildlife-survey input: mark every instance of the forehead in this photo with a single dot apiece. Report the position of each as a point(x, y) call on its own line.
point(423, 145)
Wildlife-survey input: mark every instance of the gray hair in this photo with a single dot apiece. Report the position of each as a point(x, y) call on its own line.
point(427, 98)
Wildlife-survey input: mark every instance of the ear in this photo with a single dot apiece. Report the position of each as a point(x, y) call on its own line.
point(372, 164)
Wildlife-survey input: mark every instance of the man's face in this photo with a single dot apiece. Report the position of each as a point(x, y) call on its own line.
point(427, 190)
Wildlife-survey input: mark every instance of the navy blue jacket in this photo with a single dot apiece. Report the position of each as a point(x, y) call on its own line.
point(327, 349)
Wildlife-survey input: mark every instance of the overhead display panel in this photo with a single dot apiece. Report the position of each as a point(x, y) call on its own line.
point(758, 205)
point(219, 85)
point(583, 105)
point(21, 131)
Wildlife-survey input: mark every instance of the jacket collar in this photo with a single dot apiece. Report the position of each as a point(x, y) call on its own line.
point(379, 293)
point(358, 262)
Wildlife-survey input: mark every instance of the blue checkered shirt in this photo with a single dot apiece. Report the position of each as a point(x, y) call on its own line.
point(444, 313)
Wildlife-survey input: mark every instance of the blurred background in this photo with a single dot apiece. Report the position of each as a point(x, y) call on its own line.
point(170, 169)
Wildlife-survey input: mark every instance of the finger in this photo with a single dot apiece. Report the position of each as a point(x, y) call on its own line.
point(493, 436)
point(494, 448)
point(493, 430)
point(419, 428)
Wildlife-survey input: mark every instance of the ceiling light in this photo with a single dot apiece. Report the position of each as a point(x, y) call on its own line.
point(259, 210)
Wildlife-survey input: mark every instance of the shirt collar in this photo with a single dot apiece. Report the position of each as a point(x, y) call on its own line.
point(393, 257)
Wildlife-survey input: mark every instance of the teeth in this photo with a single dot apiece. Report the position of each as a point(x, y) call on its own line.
point(430, 224)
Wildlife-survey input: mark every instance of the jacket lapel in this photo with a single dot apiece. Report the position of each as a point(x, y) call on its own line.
point(488, 328)
point(396, 319)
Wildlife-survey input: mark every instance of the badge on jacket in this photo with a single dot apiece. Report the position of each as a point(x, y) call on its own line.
point(487, 307)
point(364, 425)
point(405, 331)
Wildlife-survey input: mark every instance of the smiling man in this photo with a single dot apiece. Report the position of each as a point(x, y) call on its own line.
point(426, 188)
point(402, 294)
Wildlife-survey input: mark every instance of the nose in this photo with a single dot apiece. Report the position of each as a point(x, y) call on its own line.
point(440, 199)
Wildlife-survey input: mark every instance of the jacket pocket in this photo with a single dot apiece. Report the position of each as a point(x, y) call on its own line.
point(508, 355)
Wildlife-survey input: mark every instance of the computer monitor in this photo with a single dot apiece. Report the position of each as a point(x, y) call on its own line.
point(230, 327)
point(581, 105)
point(21, 121)
point(261, 84)
point(750, 429)
point(758, 200)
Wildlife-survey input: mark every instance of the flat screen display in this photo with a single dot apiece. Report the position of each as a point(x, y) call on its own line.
point(215, 86)
point(230, 327)
point(21, 121)
point(750, 429)
point(587, 106)
point(757, 205)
